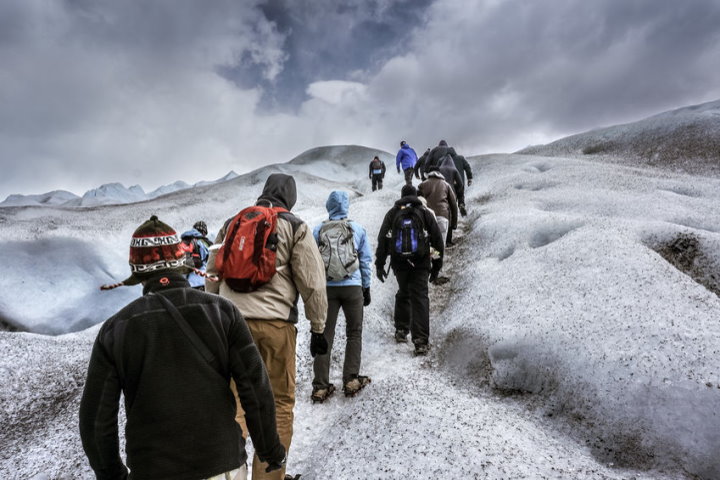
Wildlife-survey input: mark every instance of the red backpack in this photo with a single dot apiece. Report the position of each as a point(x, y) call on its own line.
point(246, 260)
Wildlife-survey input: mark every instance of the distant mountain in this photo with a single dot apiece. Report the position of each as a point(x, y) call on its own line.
point(56, 197)
point(683, 140)
point(108, 194)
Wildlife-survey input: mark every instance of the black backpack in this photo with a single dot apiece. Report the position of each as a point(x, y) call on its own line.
point(409, 240)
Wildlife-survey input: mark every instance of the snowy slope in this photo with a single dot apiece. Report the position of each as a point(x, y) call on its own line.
point(682, 140)
point(566, 344)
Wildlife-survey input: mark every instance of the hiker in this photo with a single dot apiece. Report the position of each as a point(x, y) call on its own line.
point(419, 169)
point(437, 153)
point(201, 227)
point(452, 177)
point(405, 159)
point(440, 199)
point(271, 309)
point(407, 233)
point(377, 173)
point(197, 253)
point(171, 353)
point(346, 253)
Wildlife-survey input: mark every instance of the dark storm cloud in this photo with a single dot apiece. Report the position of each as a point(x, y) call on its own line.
point(331, 39)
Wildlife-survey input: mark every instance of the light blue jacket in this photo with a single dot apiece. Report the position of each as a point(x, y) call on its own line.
point(406, 157)
point(338, 204)
point(194, 279)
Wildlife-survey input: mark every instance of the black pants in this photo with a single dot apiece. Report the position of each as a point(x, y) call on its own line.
point(412, 305)
point(408, 175)
point(350, 299)
point(377, 181)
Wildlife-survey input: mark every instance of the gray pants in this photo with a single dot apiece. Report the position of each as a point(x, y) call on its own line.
point(351, 300)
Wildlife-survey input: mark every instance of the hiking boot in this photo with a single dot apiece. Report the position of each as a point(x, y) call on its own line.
point(401, 336)
point(422, 349)
point(320, 394)
point(355, 384)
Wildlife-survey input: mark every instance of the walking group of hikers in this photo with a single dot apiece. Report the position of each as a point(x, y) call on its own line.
point(207, 355)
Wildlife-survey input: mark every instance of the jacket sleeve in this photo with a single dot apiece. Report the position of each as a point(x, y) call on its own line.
point(370, 169)
point(309, 277)
point(253, 388)
point(365, 257)
point(99, 415)
point(436, 238)
point(383, 169)
point(398, 158)
point(382, 252)
point(452, 201)
point(468, 170)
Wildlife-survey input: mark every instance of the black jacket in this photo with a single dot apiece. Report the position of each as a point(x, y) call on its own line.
point(433, 233)
point(180, 409)
point(436, 155)
point(382, 167)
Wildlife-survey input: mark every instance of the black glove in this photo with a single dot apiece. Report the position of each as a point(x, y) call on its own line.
point(469, 181)
point(277, 464)
point(435, 270)
point(366, 296)
point(462, 209)
point(381, 274)
point(398, 170)
point(318, 344)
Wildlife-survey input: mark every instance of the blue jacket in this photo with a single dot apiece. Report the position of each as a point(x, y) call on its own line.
point(195, 279)
point(338, 204)
point(406, 157)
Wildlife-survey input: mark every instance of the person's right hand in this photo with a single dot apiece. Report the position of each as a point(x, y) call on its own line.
point(318, 344)
point(277, 463)
point(380, 272)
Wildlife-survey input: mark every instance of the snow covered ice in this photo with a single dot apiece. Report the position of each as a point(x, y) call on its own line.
point(564, 346)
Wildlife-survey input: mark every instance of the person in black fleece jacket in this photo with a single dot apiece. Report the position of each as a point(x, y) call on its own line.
point(179, 406)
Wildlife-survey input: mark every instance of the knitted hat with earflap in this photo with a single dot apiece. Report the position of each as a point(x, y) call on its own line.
point(154, 247)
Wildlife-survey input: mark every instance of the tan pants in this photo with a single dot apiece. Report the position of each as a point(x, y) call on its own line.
point(275, 339)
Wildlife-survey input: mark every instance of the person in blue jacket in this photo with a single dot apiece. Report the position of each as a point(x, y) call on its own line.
point(194, 246)
point(406, 158)
point(351, 293)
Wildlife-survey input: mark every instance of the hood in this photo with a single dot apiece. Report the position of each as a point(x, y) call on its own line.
point(338, 205)
point(191, 233)
point(279, 191)
point(436, 174)
point(448, 162)
point(405, 147)
point(410, 199)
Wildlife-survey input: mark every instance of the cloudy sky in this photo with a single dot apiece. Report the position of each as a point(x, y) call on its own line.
point(153, 91)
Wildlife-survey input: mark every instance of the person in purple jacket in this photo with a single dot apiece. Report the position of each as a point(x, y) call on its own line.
point(405, 159)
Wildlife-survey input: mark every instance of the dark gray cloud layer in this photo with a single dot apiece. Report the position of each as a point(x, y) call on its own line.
point(144, 92)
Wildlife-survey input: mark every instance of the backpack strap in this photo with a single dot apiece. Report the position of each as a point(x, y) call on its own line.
point(192, 336)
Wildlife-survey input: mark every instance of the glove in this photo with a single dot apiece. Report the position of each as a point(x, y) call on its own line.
point(469, 181)
point(435, 270)
point(277, 464)
point(366, 296)
point(381, 274)
point(398, 170)
point(462, 209)
point(318, 344)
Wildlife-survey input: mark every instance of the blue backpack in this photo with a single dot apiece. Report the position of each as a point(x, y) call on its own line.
point(409, 238)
